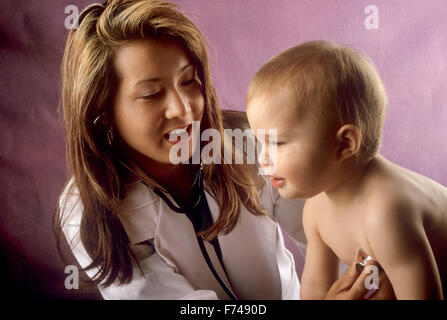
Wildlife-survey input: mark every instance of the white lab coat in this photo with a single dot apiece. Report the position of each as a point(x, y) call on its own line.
point(257, 262)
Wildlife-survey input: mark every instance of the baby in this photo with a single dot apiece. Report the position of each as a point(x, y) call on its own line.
point(328, 104)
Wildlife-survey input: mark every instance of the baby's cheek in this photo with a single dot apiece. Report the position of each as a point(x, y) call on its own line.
point(281, 160)
point(290, 165)
point(307, 172)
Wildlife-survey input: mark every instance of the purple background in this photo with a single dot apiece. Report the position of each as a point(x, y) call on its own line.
point(409, 50)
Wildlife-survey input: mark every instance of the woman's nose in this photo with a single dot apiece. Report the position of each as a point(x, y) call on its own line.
point(177, 106)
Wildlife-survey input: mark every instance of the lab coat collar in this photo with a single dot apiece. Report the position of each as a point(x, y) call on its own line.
point(139, 220)
point(145, 216)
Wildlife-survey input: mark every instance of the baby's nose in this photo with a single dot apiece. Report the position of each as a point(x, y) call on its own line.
point(267, 160)
point(263, 159)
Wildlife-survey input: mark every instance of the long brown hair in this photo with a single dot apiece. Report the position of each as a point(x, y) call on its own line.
point(88, 82)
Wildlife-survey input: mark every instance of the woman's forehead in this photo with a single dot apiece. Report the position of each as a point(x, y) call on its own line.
point(149, 58)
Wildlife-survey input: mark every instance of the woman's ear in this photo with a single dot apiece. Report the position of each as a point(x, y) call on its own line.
point(349, 141)
point(105, 119)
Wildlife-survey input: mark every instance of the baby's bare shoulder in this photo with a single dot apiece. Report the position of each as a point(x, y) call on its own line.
point(384, 208)
point(315, 202)
point(392, 207)
point(313, 208)
point(393, 191)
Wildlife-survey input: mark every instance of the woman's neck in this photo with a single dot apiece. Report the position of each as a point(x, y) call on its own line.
point(173, 178)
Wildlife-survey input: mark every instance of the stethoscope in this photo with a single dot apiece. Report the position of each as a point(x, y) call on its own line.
point(201, 202)
point(214, 242)
point(198, 184)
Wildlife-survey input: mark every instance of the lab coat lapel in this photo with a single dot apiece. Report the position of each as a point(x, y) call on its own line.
point(254, 240)
point(176, 242)
point(145, 216)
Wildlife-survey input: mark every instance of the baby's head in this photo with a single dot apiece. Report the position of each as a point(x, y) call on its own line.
point(328, 104)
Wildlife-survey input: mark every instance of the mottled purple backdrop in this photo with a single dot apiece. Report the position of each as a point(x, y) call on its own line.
point(409, 49)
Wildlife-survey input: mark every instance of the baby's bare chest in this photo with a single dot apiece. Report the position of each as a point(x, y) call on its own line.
point(343, 233)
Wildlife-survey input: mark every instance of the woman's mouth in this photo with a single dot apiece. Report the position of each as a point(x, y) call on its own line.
point(178, 134)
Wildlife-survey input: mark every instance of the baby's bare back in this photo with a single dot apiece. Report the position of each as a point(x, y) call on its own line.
point(345, 229)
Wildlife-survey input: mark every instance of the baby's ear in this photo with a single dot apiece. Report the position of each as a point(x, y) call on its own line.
point(349, 141)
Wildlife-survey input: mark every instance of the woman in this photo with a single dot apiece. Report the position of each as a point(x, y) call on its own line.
point(135, 74)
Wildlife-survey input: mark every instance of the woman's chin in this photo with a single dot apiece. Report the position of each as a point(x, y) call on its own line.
point(184, 155)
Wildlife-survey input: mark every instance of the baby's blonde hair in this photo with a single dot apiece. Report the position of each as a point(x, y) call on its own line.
point(343, 83)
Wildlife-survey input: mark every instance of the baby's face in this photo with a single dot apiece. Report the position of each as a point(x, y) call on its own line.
point(305, 154)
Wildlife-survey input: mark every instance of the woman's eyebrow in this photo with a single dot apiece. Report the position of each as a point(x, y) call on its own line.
point(158, 79)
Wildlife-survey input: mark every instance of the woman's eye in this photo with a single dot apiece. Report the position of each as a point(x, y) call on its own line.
point(150, 96)
point(189, 82)
point(280, 143)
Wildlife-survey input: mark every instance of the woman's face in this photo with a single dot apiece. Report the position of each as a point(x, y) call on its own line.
point(158, 91)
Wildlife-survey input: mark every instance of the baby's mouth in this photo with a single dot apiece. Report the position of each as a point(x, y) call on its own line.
point(277, 182)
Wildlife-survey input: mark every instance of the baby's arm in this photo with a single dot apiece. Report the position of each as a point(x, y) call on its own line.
point(397, 238)
point(321, 264)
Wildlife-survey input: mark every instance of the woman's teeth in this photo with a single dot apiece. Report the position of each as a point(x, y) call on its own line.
point(178, 131)
point(178, 134)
